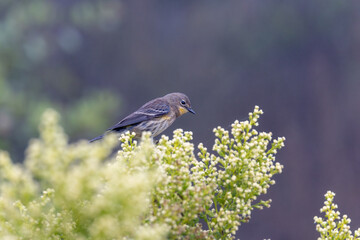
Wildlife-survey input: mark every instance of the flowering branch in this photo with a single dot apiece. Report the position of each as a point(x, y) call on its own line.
point(334, 227)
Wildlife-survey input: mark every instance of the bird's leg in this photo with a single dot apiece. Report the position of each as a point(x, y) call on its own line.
point(156, 141)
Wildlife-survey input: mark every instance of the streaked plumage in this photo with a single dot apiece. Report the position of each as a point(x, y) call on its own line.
point(154, 116)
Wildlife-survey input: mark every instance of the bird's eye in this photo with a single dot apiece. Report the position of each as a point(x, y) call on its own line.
point(182, 102)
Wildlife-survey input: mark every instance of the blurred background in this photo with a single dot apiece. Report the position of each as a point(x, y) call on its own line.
point(97, 61)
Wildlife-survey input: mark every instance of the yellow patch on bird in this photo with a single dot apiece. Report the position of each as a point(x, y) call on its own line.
point(182, 110)
point(166, 117)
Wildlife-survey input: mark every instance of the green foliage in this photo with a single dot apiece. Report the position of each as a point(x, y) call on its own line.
point(86, 116)
point(334, 227)
point(145, 191)
point(36, 37)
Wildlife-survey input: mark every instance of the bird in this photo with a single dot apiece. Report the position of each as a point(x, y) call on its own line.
point(154, 116)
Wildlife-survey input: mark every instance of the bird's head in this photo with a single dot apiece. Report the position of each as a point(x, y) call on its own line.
point(180, 102)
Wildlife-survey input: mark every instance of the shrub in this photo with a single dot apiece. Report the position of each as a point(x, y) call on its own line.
point(145, 191)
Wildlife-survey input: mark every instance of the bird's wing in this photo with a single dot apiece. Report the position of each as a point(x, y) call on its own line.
point(150, 110)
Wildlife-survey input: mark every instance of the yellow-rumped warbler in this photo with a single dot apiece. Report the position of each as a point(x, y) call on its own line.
point(154, 116)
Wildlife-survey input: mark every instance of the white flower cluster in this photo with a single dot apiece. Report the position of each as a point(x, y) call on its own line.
point(242, 170)
point(73, 191)
point(334, 227)
point(181, 195)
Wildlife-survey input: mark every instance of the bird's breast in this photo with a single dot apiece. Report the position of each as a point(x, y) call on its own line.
point(156, 125)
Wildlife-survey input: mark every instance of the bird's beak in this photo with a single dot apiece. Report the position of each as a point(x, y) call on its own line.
point(190, 110)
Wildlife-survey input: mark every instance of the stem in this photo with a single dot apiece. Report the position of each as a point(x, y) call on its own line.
point(216, 209)
point(207, 222)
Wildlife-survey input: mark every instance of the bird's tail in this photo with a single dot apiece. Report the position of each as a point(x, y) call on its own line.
point(97, 138)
